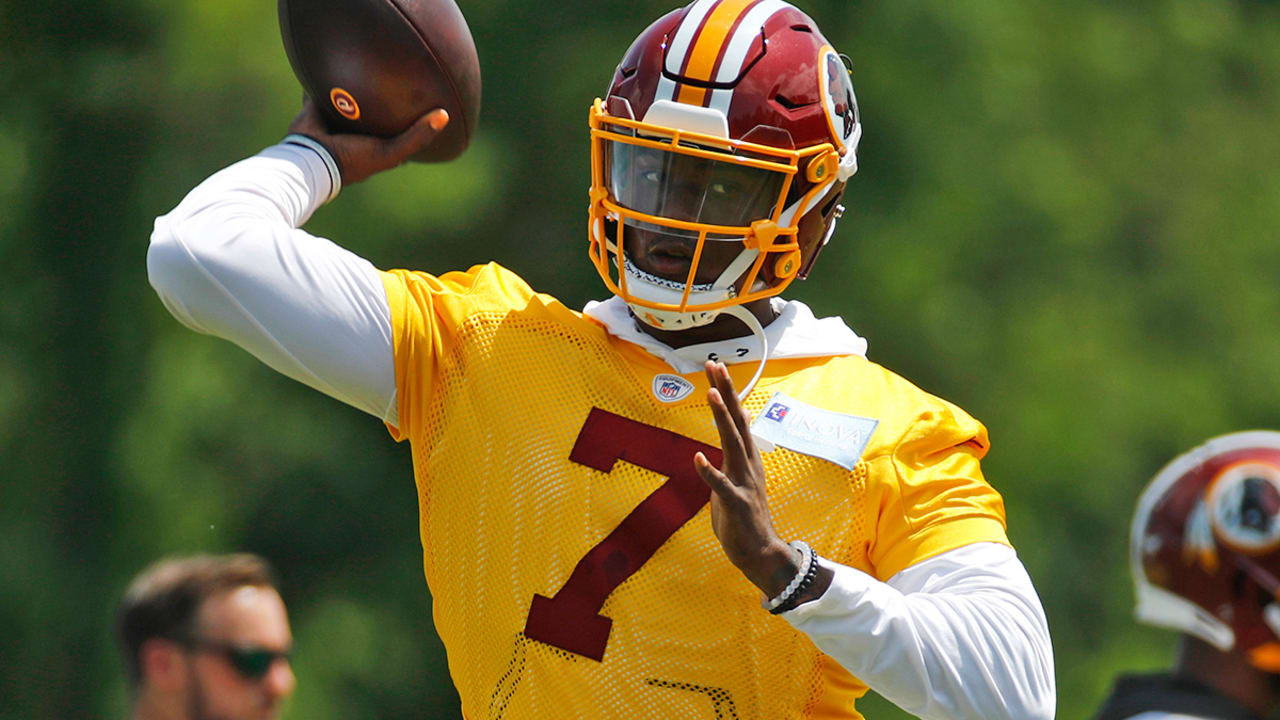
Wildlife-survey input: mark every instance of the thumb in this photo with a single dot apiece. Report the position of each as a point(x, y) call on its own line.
point(420, 134)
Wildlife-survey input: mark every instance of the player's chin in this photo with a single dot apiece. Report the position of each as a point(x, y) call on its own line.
point(669, 267)
point(665, 256)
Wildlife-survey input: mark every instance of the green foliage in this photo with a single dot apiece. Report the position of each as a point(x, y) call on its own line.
point(1066, 222)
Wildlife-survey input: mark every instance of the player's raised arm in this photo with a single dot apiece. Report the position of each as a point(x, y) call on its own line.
point(230, 261)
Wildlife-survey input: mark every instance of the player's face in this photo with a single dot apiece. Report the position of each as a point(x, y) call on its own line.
point(670, 256)
point(687, 189)
point(234, 672)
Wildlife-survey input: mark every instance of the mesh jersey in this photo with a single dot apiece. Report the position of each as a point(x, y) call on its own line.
point(567, 541)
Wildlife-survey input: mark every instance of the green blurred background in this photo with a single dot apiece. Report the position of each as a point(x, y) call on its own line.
point(1065, 222)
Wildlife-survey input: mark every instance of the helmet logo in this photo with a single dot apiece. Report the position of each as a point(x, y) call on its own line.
point(670, 388)
point(838, 98)
point(1197, 542)
point(1244, 507)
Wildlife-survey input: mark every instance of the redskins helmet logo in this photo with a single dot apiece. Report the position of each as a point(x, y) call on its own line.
point(1198, 546)
point(838, 98)
point(1244, 507)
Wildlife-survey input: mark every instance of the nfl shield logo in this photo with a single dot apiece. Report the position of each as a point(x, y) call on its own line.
point(671, 388)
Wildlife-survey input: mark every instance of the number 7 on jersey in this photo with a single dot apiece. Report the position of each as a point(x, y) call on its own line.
point(571, 619)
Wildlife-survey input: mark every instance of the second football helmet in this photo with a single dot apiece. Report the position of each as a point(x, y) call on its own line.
point(728, 122)
point(1205, 546)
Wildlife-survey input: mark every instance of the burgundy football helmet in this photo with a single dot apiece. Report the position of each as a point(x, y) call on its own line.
point(728, 121)
point(1205, 547)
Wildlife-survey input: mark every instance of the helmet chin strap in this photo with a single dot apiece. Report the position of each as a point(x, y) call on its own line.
point(757, 329)
point(653, 288)
point(658, 289)
point(650, 287)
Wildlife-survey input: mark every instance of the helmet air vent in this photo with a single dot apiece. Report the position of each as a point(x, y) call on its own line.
point(790, 104)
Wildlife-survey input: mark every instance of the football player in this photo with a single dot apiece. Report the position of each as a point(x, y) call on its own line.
point(1205, 556)
point(694, 499)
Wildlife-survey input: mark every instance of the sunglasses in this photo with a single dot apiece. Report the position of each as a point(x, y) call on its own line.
point(252, 663)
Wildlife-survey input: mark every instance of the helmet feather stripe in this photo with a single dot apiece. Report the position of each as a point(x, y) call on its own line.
point(736, 49)
point(678, 52)
point(711, 39)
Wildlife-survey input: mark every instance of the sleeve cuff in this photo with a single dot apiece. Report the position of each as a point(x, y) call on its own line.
point(848, 585)
point(330, 163)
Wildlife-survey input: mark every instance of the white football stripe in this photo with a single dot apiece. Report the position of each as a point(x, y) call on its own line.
point(666, 89)
point(736, 53)
point(680, 47)
point(684, 34)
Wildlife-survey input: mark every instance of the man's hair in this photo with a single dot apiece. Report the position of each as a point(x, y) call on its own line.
point(164, 599)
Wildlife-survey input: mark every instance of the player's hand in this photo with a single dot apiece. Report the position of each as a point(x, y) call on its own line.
point(739, 508)
point(362, 156)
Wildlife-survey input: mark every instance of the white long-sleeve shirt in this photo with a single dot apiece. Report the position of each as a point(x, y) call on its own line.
point(959, 635)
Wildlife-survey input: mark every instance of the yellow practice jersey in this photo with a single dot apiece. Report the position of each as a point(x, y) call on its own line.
point(567, 539)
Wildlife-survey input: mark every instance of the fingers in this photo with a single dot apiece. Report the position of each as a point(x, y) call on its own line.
point(716, 480)
point(418, 135)
point(731, 441)
point(741, 459)
point(733, 413)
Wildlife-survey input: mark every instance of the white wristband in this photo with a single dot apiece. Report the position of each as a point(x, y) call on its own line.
point(335, 175)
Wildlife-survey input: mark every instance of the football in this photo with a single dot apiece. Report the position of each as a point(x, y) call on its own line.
point(376, 66)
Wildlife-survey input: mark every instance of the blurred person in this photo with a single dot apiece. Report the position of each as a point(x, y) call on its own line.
point(789, 524)
point(1205, 557)
point(205, 638)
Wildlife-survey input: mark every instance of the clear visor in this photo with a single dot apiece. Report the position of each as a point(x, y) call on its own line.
point(668, 184)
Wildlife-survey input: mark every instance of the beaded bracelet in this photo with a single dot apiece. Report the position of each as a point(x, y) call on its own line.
point(810, 575)
point(803, 578)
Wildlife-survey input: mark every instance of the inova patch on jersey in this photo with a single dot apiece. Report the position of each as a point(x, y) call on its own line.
point(798, 426)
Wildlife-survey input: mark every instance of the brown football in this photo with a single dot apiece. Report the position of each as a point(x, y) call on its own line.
point(375, 66)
